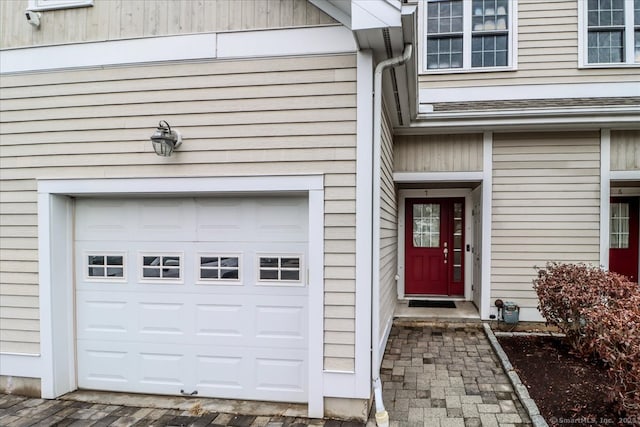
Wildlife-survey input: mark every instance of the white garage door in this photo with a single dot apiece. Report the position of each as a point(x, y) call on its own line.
point(205, 295)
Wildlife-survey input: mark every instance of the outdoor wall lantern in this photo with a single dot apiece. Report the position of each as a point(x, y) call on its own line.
point(165, 139)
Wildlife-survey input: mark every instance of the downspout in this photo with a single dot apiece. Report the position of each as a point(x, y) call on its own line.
point(382, 417)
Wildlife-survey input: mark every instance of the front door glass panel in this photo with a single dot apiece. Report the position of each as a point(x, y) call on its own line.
point(457, 242)
point(426, 225)
point(619, 238)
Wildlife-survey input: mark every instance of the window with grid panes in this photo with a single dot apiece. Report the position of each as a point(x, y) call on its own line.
point(468, 34)
point(613, 31)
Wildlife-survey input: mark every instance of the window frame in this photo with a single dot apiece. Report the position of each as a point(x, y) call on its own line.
point(629, 38)
point(619, 233)
point(512, 41)
point(218, 281)
point(40, 5)
point(157, 280)
point(85, 266)
point(301, 282)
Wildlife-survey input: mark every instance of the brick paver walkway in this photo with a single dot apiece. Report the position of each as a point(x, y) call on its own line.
point(432, 376)
point(445, 377)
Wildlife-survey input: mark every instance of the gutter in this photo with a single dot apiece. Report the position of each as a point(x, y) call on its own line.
point(504, 122)
point(382, 416)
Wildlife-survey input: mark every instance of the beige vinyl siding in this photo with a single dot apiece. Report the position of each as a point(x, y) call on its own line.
point(260, 117)
point(438, 153)
point(18, 266)
point(545, 207)
point(118, 19)
point(388, 227)
point(625, 150)
point(547, 52)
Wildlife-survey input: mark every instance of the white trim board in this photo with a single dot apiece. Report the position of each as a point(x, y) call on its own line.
point(55, 227)
point(487, 224)
point(515, 92)
point(605, 191)
point(20, 365)
point(437, 176)
point(333, 39)
point(364, 171)
point(632, 175)
point(94, 54)
point(296, 41)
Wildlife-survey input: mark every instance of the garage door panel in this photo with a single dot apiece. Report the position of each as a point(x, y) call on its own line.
point(103, 314)
point(107, 365)
point(222, 220)
point(282, 220)
point(280, 372)
point(221, 336)
point(145, 368)
point(164, 220)
point(103, 219)
point(166, 369)
point(280, 325)
point(261, 374)
point(216, 320)
point(222, 375)
point(163, 320)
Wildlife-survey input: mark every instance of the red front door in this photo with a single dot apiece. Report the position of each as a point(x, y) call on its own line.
point(434, 247)
point(623, 236)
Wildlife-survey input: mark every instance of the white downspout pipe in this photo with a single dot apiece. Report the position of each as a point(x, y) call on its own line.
point(382, 417)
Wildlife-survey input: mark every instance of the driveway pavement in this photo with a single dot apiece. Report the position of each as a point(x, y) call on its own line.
point(432, 376)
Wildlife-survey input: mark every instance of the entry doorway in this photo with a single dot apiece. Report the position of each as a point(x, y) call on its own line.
point(623, 236)
point(434, 247)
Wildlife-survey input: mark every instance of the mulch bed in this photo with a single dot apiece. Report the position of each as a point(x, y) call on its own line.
point(568, 390)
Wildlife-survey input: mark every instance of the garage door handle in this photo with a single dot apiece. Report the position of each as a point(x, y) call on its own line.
point(184, 393)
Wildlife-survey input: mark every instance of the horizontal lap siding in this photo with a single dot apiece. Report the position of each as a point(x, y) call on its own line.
point(625, 150)
point(438, 153)
point(545, 207)
point(547, 52)
point(262, 117)
point(118, 19)
point(388, 228)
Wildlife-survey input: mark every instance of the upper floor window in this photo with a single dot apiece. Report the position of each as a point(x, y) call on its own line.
point(57, 4)
point(612, 32)
point(469, 35)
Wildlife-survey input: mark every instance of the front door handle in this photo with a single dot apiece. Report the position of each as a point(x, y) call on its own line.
point(446, 254)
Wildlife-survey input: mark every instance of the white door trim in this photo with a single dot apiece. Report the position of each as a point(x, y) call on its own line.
point(605, 195)
point(55, 237)
point(487, 224)
point(403, 195)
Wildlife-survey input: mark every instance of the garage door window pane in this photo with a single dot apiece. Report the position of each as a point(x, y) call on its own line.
point(280, 268)
point(219, 267)
point(96, 272)
point(105, 266)
point(268, 262)
point(162, 267)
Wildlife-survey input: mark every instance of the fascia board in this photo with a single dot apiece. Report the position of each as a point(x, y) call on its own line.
point(367, 14)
